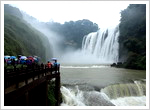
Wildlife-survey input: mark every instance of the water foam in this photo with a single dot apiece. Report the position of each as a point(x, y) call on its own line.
point(125, 90)
point(71, 97)
point(130, 101)
point(130, 94)
point(76, 97)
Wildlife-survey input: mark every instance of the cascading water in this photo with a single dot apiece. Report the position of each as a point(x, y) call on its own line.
point(102, 45)
point(130, 94)
point(125, 90)
point(99, 47)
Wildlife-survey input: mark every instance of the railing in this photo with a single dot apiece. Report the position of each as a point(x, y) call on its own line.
point(24, 81)
point(17, 75)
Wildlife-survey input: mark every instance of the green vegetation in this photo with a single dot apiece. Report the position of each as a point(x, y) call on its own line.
point(20, 37)
point(73, 31)
point(51, 93)
point(12, 11)
point(132, 39)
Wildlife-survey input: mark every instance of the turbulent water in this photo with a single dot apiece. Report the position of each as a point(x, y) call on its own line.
point(99, 85)
point(88, 81)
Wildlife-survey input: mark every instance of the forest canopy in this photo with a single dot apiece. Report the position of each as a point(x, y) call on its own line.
point(132, 39)
point(73, 31)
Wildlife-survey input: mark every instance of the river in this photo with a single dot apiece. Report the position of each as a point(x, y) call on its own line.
point(102, 85)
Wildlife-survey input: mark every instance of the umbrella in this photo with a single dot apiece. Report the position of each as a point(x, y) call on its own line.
point(13, 57)
point(53, 59)
point(35, 56)
point(23, 57)
point(6, 57)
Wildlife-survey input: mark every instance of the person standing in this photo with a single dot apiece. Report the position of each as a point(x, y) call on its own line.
point(49, 65)
point(56, 66)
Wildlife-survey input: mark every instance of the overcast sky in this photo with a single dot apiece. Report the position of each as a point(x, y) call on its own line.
point(104, 13)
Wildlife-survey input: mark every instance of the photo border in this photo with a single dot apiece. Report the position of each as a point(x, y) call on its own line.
point(76, 107)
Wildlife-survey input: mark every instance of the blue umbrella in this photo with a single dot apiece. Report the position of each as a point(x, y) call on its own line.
point(13, 57)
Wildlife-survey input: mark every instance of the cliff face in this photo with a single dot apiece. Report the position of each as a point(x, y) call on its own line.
point(21, 38)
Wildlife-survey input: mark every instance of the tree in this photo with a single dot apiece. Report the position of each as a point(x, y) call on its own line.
point(132, 37)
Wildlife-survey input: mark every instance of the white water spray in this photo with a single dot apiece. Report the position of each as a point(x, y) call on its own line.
point(53, 38)
point(99, 47)
point(118, 94)
point(72, 97)
point(102, 45)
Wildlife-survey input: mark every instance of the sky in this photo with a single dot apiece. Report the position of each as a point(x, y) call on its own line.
point(104, 13)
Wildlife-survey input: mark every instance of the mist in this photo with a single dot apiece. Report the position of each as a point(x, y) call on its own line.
point(54, 38)
point(99, 47)
point(78, 57)
point(65, 55)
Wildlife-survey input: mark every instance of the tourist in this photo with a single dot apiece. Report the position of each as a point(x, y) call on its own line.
point(56, 66)
point(49, 65)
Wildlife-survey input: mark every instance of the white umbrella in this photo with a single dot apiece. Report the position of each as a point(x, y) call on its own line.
point(23, 57)
point(6, 57)
point(53, 59)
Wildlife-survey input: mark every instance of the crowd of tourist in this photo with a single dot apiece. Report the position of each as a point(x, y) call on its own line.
point(21, 59)
point(29, 60)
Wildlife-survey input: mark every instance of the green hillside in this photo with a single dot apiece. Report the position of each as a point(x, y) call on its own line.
point(132, 39)
point(21, 38)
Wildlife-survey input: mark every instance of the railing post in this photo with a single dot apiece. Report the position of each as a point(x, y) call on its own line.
point(42, 71)
point(45, 70)
point(39, 71)
point(5, 78)
point(57, 68)
point(22, 67)
point(51, 70)
point(33, 72)
point(26, 76)
point(57, 89)
point(27, 98)
point(14, 67)
point(46, 100)
point(17, 80)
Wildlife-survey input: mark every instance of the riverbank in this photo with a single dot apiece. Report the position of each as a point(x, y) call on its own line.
point(127, 66)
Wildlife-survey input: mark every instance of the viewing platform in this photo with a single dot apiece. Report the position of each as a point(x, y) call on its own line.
point(29, 86)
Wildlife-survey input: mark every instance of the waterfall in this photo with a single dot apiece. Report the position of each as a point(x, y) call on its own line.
point(131, 94)
point(102, 44)
point(126, 94)
point(125, 90)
